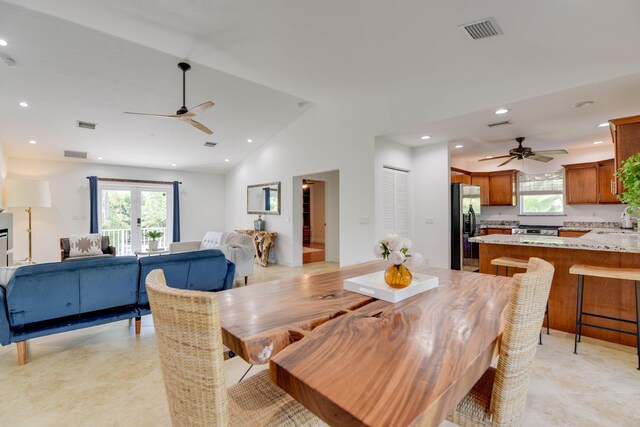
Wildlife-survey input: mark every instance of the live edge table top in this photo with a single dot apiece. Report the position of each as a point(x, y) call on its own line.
point(354, 360)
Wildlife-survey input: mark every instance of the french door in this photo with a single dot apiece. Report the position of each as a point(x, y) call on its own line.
point(128, 213)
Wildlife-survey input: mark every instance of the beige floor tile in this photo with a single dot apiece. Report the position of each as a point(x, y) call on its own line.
point(106, 376)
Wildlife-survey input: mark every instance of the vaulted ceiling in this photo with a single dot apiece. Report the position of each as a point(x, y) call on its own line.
point(258, 60)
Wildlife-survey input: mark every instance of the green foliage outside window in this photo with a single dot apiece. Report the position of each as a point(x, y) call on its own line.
point(629, 175)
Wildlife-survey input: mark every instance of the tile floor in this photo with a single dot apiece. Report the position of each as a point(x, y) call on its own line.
point(106, 376)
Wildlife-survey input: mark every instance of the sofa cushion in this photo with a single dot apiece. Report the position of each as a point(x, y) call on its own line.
point(202, 270)
point(109, 285)
point(85, 245)
point(212, 240)
point(43, 292)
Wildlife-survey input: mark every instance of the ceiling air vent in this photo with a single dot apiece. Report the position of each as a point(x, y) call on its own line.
point(482, 29)
point(86, 125)
point(75, 154)
point(210, 144)
point(492, 125)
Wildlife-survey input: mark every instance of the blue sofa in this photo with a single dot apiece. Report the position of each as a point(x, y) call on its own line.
point(45, 299)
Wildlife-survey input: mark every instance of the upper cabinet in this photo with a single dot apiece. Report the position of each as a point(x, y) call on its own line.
point(496, 188)
point(625, 133)
point(581, 182)
point(590, 183)
point(502, 188)
point(460, 175)
point(607, 182)
point(482, 181)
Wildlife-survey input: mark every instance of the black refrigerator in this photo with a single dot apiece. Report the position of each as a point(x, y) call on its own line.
point(465, 205)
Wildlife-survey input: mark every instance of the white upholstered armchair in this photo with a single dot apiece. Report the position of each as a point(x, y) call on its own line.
point(237, 248)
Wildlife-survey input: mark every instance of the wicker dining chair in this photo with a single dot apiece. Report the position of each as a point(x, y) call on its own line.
point(187, 326)
point(498, 398)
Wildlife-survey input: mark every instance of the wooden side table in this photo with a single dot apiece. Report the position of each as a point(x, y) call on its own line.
point(263, 241)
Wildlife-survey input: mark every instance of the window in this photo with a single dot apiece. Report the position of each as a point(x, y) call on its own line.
point(542, 194)
point(396, 202)
point(129, 212)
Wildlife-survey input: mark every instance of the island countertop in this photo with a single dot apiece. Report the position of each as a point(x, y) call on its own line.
point(602, 239)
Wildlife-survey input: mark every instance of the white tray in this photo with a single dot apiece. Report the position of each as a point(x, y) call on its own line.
point(374, 285)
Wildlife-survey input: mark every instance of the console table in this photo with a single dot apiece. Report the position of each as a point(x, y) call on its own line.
point(263, 241)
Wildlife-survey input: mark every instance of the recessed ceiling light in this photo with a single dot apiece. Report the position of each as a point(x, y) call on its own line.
point(173, 164)
point(3, 42)
point(226, 160)
point(602, 125)
point(489, 157)
point(501, 111)
point(99, 158)
point(597, 142)
point(459, 146)
point(425, 137)
point(249, 140)
point(33, 142)
point(582, 104)
point(23, 104)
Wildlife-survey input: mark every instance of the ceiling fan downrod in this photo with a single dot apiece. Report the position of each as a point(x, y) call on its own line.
point(184, 67)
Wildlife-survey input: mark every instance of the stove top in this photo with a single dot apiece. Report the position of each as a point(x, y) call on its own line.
point(543, 230)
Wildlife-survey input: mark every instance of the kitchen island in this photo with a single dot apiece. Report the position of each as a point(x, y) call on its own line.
point(600, 247)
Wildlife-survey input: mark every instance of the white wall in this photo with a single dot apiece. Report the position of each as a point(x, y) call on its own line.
point(573, 212)
point(201, 202)
point(431, 229)
point(341, 136)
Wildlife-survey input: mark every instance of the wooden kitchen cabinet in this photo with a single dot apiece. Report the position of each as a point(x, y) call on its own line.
point(567, 233)
point(581, 182)
point(482, 180)
point(590, 183)
point(625, 133)
point(502, 188)
point(487, 231)
point(496, 188)
point(607, 182)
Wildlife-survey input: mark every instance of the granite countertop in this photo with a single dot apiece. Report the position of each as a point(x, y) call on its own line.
point(499, 224)
point(588, 226)
point(601, 239)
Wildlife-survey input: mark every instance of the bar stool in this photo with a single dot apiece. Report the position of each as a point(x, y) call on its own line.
point(610, 273)
point(507, 262)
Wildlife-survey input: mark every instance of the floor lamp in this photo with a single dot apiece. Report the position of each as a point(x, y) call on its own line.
point(27, 194)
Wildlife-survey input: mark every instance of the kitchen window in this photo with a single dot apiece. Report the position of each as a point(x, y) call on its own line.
point(541, 193)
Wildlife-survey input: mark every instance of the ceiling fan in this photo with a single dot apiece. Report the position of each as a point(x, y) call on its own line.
point(184, 114)
point(521, 152)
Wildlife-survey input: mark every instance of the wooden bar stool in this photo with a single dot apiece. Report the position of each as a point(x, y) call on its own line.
point(610, 273)
point(523, 264)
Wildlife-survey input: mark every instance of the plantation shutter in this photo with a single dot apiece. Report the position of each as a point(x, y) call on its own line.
point(395, 202)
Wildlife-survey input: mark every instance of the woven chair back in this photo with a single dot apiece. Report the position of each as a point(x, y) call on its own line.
point(523, 320)
point(187, 327)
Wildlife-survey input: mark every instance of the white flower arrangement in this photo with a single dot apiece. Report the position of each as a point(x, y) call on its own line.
point(396, 250)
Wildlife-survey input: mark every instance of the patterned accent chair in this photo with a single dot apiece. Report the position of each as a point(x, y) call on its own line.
point(65, 247)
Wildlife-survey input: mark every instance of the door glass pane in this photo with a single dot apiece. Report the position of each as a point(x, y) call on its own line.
point(154, 217)
point(116, 219)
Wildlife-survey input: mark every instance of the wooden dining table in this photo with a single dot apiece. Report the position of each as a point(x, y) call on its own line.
point(354, 360)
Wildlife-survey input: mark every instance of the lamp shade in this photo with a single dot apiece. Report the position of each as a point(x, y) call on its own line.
point(26, 194)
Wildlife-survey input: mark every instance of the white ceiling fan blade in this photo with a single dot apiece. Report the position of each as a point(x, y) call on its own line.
point(539, 158)
point(550, 152)
point(199, 109)
point(196, 124)
point(508, 161)
point(165, 116)
point(493, 158)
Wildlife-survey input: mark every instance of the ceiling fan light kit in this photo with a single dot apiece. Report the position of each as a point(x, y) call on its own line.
point(184, 114)
point(521, 153)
